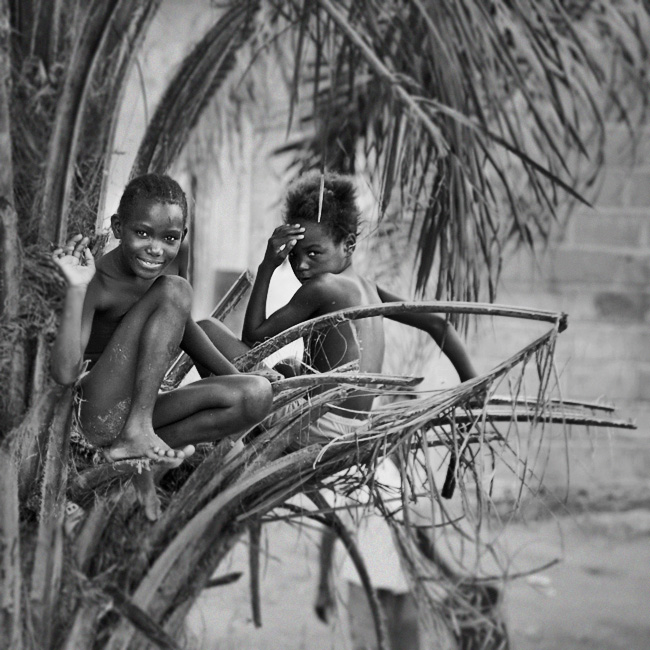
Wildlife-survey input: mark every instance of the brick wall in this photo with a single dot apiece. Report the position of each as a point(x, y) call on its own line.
point(597, 269)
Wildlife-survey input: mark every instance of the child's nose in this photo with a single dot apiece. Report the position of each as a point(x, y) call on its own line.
point(303, 264)
point(155, 248)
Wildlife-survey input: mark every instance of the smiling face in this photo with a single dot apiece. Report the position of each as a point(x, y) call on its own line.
point(150, 235)
point(318, 253)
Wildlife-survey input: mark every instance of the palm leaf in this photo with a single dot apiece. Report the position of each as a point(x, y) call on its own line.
point(199, 77)
point(10, 576)
point(48, 556)
point(488, 94)
point(93, 27)
point(110, 33)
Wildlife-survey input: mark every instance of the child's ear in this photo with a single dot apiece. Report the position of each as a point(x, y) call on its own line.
point(350, 243)
point(184, 234)
point(116, 226)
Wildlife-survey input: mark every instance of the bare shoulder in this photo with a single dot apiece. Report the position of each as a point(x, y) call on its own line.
point(371, 290)
point(337, 291)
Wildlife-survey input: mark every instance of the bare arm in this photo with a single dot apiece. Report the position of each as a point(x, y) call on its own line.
point(78, 268)
point(441, 331)
point(303, 305)
point(257, 326)
point(197, 344)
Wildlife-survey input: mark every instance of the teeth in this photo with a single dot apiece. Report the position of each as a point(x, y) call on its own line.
point(147, 263)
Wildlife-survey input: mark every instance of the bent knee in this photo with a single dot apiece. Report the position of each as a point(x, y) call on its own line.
point(257, 397)
point(175, 291)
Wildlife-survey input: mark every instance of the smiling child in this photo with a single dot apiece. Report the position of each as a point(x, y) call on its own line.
point(125, 318)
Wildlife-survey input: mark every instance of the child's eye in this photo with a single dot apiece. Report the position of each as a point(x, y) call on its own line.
point(313, 254)
point(140, 233)
point(171, 238)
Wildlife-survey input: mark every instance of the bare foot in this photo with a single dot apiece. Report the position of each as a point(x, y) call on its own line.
point(146, 444)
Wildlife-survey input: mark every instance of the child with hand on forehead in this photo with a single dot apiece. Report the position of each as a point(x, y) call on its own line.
point(318, 236)
point(124, 318)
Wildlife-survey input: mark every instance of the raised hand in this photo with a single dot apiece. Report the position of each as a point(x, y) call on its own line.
point(283, 239)
point(75, 261)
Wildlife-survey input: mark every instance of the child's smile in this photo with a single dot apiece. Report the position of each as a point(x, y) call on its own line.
point(318, 253)
point(150, 237)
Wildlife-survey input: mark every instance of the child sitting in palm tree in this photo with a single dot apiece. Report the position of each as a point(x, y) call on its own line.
point(319, 237)
point(123, 319)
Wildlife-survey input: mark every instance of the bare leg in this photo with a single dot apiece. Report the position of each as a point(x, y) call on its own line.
point(222, 339)
point(122, 388)
point(211, 409)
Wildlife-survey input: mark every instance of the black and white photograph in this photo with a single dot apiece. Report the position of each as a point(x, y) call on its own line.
point(324, 324)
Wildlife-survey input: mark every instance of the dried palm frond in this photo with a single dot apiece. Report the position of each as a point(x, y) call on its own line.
point(227, 492)
point(335, 318)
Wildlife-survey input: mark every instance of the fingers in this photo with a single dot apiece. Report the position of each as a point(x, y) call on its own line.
point(88, 257)
point(285, 237)
point(80, 246)
point(76, 246)
point(287, 232)
point(72, 244)
point(288, 228)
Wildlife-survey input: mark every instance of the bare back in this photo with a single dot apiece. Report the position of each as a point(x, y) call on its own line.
point(361, 340)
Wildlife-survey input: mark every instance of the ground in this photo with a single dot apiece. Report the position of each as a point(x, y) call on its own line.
point(595, 598)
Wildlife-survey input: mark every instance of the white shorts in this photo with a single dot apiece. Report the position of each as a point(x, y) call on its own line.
point(329, 427)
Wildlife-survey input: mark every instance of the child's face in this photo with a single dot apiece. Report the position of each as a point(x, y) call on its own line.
point(317, 253)
point(150, 236)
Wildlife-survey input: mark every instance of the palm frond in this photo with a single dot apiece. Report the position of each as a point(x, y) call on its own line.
point(471, 110)
point(11, 587)
point(94, 28)
point(261, 351)
point(200, 75)
point(48, 557)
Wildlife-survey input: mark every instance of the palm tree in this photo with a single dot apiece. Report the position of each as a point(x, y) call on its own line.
point(452, 104)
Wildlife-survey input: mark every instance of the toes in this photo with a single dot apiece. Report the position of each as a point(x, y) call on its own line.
point(157, 453)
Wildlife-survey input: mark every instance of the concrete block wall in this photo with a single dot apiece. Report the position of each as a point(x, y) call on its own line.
point(596, 269)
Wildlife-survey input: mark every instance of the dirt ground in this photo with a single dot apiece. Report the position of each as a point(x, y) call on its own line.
point(597, 597)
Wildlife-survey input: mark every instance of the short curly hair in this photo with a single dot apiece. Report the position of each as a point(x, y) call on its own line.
point(154, 187)
point(339, 214)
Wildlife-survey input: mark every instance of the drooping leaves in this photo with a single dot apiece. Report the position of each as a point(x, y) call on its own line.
point(474, 111)
point(198, 78)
